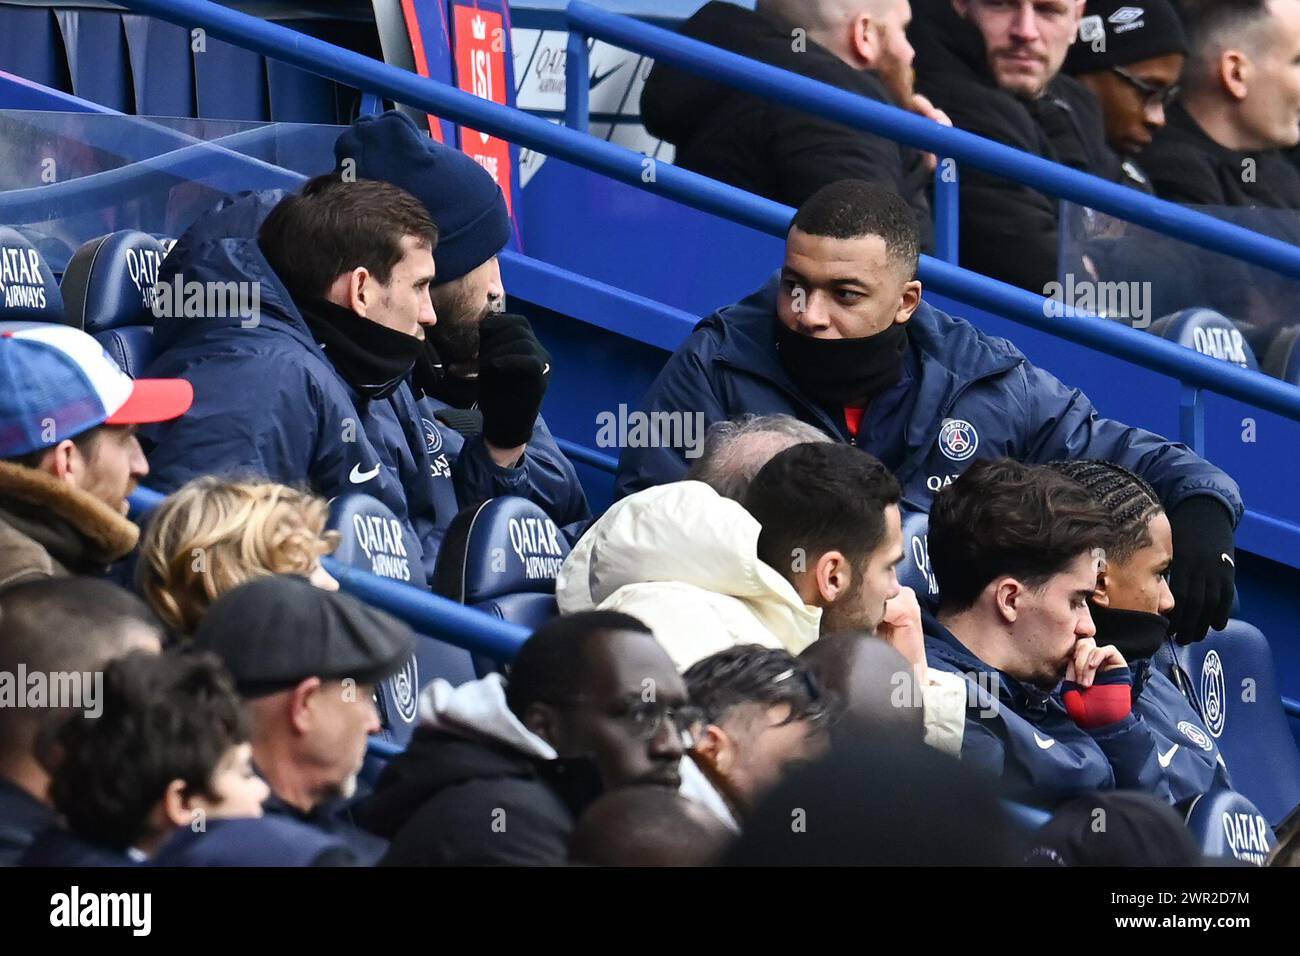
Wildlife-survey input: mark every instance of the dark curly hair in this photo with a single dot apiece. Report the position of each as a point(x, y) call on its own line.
point(163, 718)
point(1129, 502)
point(1005, 518)
point(753, 674)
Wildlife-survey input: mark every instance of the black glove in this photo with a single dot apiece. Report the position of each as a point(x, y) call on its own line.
point(513, 370)
point(1204, 568)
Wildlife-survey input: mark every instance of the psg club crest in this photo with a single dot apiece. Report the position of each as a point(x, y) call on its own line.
point(1214, 695)
point(405, 687)
point(432, 437)
point(958, 439)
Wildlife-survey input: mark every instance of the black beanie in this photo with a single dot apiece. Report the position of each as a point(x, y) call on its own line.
point(1115, 33)
point(462, 199)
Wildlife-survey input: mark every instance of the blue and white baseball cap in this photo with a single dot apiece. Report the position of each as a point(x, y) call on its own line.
point(57, 382)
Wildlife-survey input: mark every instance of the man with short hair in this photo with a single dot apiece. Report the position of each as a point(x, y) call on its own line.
point(69, 456)
point(306, 662)
point(1240, 108)
point(735, 451)
point(995, 67)
point(841, 339)
point(763, 712)
point(312, 389)
point(781, 152)
point(647, 826)
point(499, 769)
point(52, 627)
point(1016, 550)
point(480, 383)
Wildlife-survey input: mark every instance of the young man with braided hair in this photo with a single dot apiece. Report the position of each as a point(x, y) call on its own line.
point(1129, 611)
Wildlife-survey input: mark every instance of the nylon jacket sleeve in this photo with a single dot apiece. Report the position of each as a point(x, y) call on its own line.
point(684, 385)
point(220, 434)
point(545, 477)
point(1131, 749)
point(1061, 422)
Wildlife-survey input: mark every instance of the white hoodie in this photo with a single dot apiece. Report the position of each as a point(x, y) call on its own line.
point(478, 709)
point(684, 560)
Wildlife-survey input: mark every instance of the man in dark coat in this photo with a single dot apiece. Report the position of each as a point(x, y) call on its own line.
point(780, 152)
point(995, 69)
point(498, 771)
point(842, 340)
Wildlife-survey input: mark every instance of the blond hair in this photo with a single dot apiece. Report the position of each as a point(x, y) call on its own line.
point(214, 534)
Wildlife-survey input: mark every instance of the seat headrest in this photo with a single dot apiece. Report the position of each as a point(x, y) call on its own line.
point(130, 346)
point(914, 570)
point(503, 546)
point(110, 281)
point(1282, 360)
point(28, 292)
point(1210, 333)
point(1227, 825)
point(372, 539)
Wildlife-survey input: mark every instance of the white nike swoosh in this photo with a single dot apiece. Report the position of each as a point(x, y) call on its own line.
point(1166, 757)
point(359, 477)
point(1044, 744)
point(1228, 559)
point(547, 368)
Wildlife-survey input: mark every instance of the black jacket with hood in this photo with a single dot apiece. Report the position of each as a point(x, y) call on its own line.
point(1008, 230)
point(475, 787)
point(764, 147)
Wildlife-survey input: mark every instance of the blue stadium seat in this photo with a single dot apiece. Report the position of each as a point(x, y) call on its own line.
point(1232, 675)
point(95, 45)
point(1228, 826)
point(108, 291)
point(1282, 360)
point(230, 82)
point(162, 67)
point(1210, 333)
point(28, 291)
point(502, 557)
point(372, 539)
point(914, 571)
point(32, 47)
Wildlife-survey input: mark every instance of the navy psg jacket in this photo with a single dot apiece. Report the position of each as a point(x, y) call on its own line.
point(268, 403)
point(1024, 736)
point(963, 396)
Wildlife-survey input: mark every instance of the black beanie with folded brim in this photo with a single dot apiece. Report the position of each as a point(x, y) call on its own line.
point(462, 198)
point(1113, 33)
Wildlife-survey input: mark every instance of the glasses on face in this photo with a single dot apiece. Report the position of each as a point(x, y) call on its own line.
point(644, 718)
point(1154, 95)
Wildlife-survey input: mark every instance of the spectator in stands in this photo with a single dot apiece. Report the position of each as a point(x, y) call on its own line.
point(1016, 550)
point(841, 339)
point(646, 826)
point(778, 151)
point(214, 534)
point(306, 662)
point(68, 451)
point(1132, 64)
point(764, 712)
point(484, 373)
point(874, 686)
point(995, 67)
point(499, 770)
point(64, 626)
point(1130, 611)
point(165, 748)
point(736, 450)
point(308, 389)
point(877, 801)
point(1240, 108)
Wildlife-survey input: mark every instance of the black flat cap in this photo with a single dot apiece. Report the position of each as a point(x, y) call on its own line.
point(275, 632)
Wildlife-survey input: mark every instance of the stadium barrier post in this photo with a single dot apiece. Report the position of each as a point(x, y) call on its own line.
point(577, 90)
point(946, 209)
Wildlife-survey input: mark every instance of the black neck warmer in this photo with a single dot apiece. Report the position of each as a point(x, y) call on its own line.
point(840, 372)
point(1137, 634)
point(372, 358)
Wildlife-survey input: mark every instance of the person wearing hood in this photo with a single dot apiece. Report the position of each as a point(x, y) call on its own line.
point(1016, 550)
point(841, 338)
point(1130, 611)
point(994, 66)
point(498, 771)
point(69, 455)
point(480, 381)
point(778, 151)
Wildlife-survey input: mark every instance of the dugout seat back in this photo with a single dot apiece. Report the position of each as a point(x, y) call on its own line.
point(1208, 332)
point(914, 570)
point(1227, 826)
point(1232, 677)
point(1282, 360)
point(108, 291)
point(28, 290)
point(373, 540)
point(502, 557)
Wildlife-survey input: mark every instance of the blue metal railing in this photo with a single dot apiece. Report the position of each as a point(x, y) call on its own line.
point(756, 212)
point(833, 103)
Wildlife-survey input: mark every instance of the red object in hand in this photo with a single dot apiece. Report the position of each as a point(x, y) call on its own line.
point(1098, 705)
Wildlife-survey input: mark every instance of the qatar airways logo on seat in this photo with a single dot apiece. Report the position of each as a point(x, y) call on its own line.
point(22, 286)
